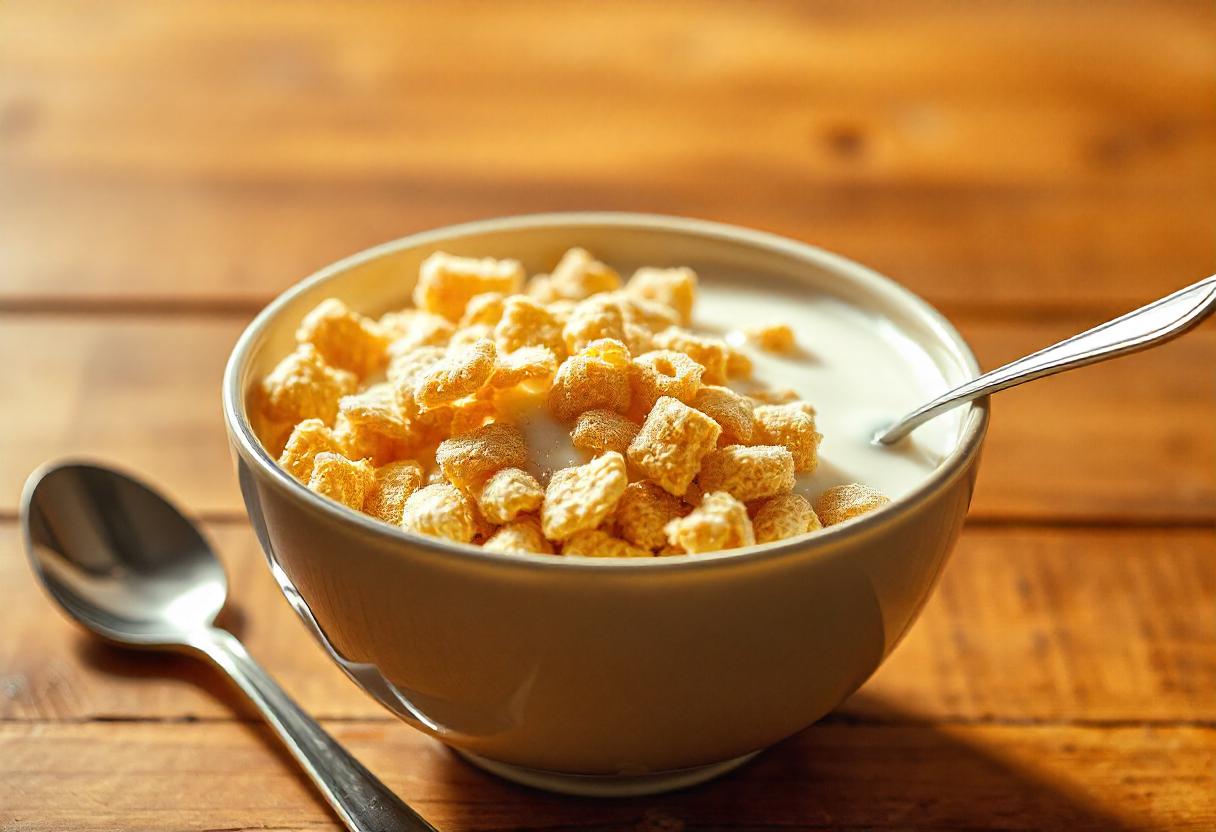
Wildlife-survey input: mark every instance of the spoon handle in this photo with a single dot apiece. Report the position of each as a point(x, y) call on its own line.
point(362, 802)
point(1145, 327)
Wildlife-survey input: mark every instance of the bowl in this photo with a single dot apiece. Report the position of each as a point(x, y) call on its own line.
point(596, 675)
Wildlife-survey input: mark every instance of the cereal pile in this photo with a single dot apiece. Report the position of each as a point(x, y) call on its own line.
point(403, 417)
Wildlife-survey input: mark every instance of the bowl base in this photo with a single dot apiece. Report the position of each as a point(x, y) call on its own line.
point(606, 785)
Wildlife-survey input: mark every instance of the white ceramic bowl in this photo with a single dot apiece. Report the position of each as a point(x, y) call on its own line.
point(594, 675)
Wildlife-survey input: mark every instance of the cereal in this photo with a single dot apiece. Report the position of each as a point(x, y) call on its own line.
point(439, 510)
point(526, 323)
point(579, 275)
point(308, 439)
point(661, 373)
point(370, 425)
point(561, 310)
point(643, 513)
point(710, 353)
point(789, 425)
point(844, 502)
point(748, 472)
point(774, 338)
point(733, 412)
point(413, 328)
point(738, 363)
point(521, 535)
point(599, 544)
point(303, 386)
point(446, 283)
point(648, 314)
point(345, 340)
point(675, 288)
point(719, 522)
point(509, 492)
point(786, 515)
point(602, 430)
point(338, 478)
point(391, 486)
point(583, 496)
point(596, 377)
point(468, 459)
point(526, 364)
point(460, 373)
point(485, 309)
point(775, 395)
point(470, 335)
point(467, 415)
point(594, 318)
point(671, 443)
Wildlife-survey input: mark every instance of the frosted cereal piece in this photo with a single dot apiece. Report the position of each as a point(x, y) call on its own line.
point(303, 386)
point(521, 535)
point(561, 310)
point(540, 288)
point(786, 515)
point(467, 415)
point(447, 283)
point(468, 459)
point(659, 373)
point(719, 522)
point(579, 275)
point(403, 373)
point(526, 323)
point(412, 328)
point(460, 373)
point(602, 430)
point(470, 335)
point(675, 288)
point(345, 340)
point(733, 412)
point(595, 543)
point(738, 363)
point(534, 364)
point(594, 318)
point(583, 496)
point(308, 439)
point(710, 353)
point(643, 513)
point(748, 472)
point(789, 425)
point(338, 478)
point(370, 425)
point(392, 484)
point(774, 337)
point(649, 314)
point(439, 510)
point(596, 377)
point(671, 444)
point(508, 493)
point(844, 502)
point(638, 339)
point(485, 308)
point(775, 395)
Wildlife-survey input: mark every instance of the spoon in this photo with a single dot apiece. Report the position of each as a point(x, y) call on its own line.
point(122, 561)
point(1145, 327)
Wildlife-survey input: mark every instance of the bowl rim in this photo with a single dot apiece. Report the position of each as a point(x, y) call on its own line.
point(955, 465)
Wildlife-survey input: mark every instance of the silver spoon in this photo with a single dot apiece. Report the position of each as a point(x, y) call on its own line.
point(1146, 327)
point(127, 565)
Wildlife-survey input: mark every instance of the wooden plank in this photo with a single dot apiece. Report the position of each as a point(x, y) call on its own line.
point(1127, 441)
point(1085, 625)
point(228, 776)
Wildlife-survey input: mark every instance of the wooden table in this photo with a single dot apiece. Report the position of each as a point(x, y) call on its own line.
point(1030, 167)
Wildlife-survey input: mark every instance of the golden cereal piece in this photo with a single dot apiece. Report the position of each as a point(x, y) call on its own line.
point(792, 426)
point(439, 510)
point(596, 377)
point(392, 484)
point(470, 335)
point(460, 373)
point(733, 412)
point(338, 478)
point(413, 328)
point(643, 513)
point(370, 425)
point(520, 535)
point(774, 337)
point(748, 472)
point(308, 439)
point(485, 308)
point(468, 459)
point(404, 371)
point(526, 364)
point(602, 430)
point(595, 543)
point(786, 515)
point(674, 288)
point(710, 353)
point(594, 318)
point(345, 340)
point(526, 323)
point(672, 442)
point(447, 283)
point(467, 415)
point(561, 310)
point(581, 497)
point(303, 386)
point(738, 363)
point(579, 275)
point(648, 314)
point(775, 395)
point(844, 502)
point(659, 373)
point(509, 492)
point(719, 522)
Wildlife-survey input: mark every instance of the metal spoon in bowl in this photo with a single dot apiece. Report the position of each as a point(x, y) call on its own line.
point(131, 568)
point(1145, 327)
